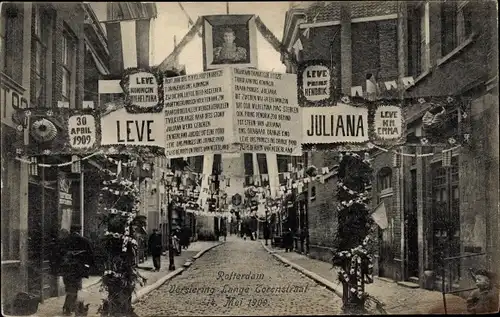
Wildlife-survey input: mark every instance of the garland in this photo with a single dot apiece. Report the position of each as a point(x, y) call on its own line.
point(353, 258)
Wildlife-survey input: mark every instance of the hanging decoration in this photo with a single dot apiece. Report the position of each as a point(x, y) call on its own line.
point(143, 89)
point(54, 131)
point(445, 121)
point(317, 82)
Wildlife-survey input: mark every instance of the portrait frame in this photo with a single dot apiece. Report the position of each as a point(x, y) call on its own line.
point(242, 25)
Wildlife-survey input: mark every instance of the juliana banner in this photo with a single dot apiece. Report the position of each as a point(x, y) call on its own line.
point(232, 110)
point(352, 123)
point(57, 131)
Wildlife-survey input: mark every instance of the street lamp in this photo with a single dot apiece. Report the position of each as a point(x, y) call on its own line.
point(169, 177)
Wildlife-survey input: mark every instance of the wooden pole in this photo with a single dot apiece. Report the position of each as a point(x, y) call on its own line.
point(42, 227)
point(227, 7)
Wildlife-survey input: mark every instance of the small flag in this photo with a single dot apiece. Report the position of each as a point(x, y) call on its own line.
point(379, 215)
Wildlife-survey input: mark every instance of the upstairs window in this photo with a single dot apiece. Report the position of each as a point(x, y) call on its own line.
point(456, 24)
point(418, 39)
point(40, 44)
point(384, 179)
point(68, 62)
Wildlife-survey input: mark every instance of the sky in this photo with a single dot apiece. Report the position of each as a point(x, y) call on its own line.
point(172, 21)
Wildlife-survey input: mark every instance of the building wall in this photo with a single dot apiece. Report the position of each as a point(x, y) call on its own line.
point(322, 210)
point(14, 175)
point(373, 50)
point(462, 72)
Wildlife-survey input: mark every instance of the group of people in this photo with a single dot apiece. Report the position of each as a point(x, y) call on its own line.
point(181, 238)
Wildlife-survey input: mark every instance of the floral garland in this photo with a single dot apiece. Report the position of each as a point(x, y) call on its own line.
point(355, 264)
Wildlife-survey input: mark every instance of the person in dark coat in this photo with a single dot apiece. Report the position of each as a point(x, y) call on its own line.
point(185, 237)
point(224, 232)
point(77, 257)
point(288, 240)
point(155, 248)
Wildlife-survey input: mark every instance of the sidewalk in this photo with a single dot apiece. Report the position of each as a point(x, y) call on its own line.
point(397, 299)
point(92, 295)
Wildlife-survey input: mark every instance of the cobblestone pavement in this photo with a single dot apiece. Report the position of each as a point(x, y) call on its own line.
point(397, 299)
point(92, 295)
point(239, 278)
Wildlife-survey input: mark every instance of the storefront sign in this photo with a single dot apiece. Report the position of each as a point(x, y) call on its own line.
point(198, 114)
point(65, 201)
point(133, 129)
point(340, 124)
point(268, 116)
point(388, 122)
point(82, 131)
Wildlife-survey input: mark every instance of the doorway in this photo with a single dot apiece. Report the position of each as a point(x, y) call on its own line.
point(42, 228)
point(412, 230)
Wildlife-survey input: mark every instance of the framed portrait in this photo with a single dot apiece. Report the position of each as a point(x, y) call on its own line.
point(229, 40)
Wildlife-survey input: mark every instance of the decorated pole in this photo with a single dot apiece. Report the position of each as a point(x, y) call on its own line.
point(354, 258)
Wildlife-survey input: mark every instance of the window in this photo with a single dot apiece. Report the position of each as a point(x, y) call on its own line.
point(418, 39)
point(446, 214)
point(10, 42)
point(384, 178)
point(3, 42)
point(456, 24)
point(40, 45)
point(68, 62)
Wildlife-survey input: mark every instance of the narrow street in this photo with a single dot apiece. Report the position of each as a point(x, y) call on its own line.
point(239, 278)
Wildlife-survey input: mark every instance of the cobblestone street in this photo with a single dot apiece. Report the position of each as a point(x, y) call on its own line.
point(239, 278)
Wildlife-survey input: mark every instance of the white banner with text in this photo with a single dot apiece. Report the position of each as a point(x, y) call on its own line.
point(339, 124)
point(137, 129)
point(232, 110)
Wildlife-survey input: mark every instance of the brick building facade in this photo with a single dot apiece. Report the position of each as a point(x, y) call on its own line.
point(358, 38)
point(449, 49)
point(52, 56)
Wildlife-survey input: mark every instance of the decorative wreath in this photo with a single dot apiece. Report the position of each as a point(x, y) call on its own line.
point(43, 130)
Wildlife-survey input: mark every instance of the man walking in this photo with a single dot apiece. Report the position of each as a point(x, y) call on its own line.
point(155, 248)
point(77, 258)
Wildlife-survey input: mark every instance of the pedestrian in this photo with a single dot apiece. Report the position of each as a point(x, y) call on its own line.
point(155, 248)
point(77, 259)
point(484, 299)
point(288, 240)
point(224, 232)
point(185, 237)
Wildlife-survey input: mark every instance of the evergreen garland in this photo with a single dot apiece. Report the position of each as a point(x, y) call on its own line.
point(353, 257)
point(119, 201)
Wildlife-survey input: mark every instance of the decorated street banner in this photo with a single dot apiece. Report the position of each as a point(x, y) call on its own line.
point(143, 91)
point(352, 123)
point(232, 110)
point(317, 83)
point(268, 117)
point(123, 130)
point(198, 114)
point(57, 131)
